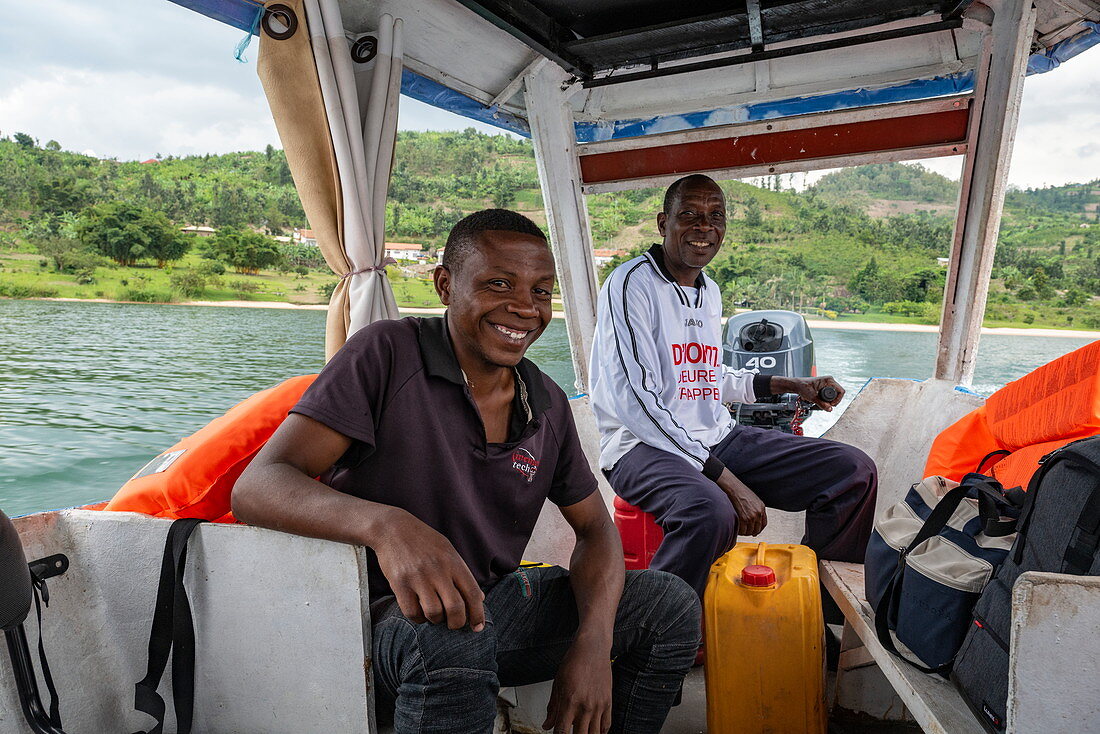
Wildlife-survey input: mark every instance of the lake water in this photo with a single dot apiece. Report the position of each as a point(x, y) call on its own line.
point(89, 392)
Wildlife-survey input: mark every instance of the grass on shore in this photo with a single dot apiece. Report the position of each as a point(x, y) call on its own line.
point(23, 275)
point(28, 275)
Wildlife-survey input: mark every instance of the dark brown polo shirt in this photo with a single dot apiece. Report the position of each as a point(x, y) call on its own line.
point(397, 391)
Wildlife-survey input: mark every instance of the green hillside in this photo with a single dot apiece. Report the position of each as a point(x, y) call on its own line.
point(861, 243)
point(891, 181)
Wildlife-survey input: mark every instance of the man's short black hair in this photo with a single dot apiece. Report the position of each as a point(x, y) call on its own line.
point(672, 193)
point(463, 238)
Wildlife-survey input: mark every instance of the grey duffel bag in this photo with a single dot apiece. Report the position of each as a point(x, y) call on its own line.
point(1059, 532)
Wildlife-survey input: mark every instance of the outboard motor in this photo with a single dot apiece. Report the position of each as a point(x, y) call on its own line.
point(16, 592)
point(775, 343)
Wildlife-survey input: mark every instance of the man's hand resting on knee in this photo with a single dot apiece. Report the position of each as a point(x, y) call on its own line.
point(430, 580)
point(580, 701)
point(752, 516)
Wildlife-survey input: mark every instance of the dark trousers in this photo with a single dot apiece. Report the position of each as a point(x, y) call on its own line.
point(833, 482)
point(441, 681)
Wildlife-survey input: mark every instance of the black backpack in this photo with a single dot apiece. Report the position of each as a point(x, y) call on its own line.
point(1058, 531)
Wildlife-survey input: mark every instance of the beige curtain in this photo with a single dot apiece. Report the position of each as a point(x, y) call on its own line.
point(337, 120)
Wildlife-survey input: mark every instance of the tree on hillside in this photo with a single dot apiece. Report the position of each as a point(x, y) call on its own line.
point(54, 236)
point(752, 212)
point(126, 233)
point(502, 188)
point(59, 195)
point(246, 251)
point(53, 145)
point(875, 285)
point(24, 140)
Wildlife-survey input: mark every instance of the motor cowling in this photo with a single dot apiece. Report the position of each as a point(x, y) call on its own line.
point(15, 577)
point(772, 343)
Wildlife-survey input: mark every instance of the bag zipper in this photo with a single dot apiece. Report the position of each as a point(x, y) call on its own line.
point(981, 624)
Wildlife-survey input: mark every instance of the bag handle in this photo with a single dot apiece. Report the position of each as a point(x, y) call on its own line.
point(172, 631)
point(991, 495)
point(937, 519)
point(999, 452)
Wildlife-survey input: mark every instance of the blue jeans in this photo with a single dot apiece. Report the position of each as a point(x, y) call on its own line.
point(445, 681)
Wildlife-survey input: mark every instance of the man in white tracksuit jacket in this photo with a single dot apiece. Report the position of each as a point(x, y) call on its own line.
point(669, 446)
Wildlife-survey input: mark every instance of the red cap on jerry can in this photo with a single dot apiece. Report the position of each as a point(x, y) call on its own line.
point(758, 576)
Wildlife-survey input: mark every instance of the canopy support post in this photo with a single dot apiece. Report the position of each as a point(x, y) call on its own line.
point(554, 140)
point(998, 89)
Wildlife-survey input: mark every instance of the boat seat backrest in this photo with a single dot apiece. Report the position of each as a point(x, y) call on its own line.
point(282, 625)
point(895, 422)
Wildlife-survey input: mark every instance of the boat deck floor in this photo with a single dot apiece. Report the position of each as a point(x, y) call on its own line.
point(690, 717)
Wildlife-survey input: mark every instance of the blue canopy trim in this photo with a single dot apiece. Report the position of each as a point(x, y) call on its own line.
point(433, 93)
point(237, 13)
point(589, 132)
point(1040, 63)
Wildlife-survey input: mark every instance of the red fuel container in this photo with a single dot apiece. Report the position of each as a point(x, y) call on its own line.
point(641, 536)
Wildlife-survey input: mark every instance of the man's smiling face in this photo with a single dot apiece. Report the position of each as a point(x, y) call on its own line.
point(498, 301)
point(693, 228)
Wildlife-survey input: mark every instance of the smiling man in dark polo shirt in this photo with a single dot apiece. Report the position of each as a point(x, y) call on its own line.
point(437, 444)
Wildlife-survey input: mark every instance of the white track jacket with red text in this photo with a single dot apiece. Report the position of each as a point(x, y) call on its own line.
point(656, 370)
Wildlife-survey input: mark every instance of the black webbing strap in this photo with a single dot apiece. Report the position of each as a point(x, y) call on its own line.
point(991, 497)
point(39, 586)
point(1085, 540)
point(172, 631)
point(882, 623)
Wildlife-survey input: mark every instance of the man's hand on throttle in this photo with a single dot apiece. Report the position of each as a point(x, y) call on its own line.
point(809, 389)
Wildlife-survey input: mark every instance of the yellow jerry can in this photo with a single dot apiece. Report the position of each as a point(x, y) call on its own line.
point(765, 660)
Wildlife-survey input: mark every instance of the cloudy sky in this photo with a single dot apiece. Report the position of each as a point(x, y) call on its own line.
point(132, 78)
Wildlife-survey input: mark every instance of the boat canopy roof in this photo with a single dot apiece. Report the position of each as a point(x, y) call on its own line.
point(648, 66)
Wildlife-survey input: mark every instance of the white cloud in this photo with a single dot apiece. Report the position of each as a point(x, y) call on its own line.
point(137, 77)
point(134, 114)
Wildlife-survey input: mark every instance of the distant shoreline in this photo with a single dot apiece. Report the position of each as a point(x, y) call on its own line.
point(813, 323)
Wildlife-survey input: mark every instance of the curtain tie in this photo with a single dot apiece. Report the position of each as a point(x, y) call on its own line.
point(386, 261)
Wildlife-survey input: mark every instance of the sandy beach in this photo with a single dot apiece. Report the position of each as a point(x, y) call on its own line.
point(813, 323)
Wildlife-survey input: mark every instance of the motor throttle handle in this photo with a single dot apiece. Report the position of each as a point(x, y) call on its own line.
point(827, 394)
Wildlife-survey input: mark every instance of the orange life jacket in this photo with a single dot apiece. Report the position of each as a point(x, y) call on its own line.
point(1029, 417)
point(195, 477)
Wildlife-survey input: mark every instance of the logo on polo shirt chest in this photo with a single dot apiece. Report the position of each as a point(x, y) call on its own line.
point(525, 463)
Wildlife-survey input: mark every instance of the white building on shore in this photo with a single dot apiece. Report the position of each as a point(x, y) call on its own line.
point(404, 250)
